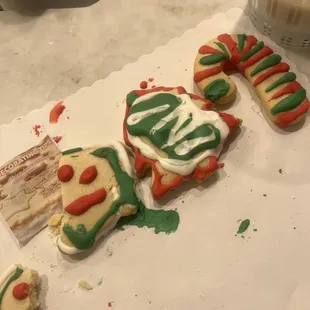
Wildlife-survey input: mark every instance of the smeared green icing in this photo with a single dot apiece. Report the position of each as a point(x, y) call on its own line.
point(244, 225)
point(161, 220)
point(289, 103)
point(14, 277)
point(131, 97)
point(241, 40)
point(223, 48)
point(255, 49)
point(81, 228)
point(267, 63)
point(212, 59)
point(159, 137)
point(83, 239)
point(71, 151)
point(288, 77)
point(216, 90)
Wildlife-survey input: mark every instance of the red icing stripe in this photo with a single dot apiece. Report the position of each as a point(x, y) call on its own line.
point(288, 89)
point(281, 67)
point(265, 51)
point(251, 41)
point(207, 103)
point(141, 92)
point(82, 204)
point(205, 49)
point(232, 122)
point(284, 119)
point(199, 76)
point(230, 43)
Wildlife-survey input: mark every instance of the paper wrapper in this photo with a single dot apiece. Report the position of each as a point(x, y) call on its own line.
point(29, 189)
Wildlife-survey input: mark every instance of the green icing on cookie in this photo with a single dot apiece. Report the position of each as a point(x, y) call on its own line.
point(212, 59)
point(289, 103)
point(223, 48)
point(216, 90)
point(241, 41)
point(288, 77)
point(14, 277)
point(255, 49)
point(71, 151)
point(267, 63)
point(131, 97)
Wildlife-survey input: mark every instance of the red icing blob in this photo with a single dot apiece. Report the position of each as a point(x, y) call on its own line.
point(199, 76)
point(143, 85)
point(21, 290)
point(288, 89)
point(65, 173)
point(88, 175)
point(56, 111)
point(82, 204)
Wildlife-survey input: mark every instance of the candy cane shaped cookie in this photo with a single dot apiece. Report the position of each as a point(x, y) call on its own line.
point(283, 98)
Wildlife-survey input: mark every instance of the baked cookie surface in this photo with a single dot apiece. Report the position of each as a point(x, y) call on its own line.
point(175, 134)
point(97, 190)
point(283, 98)
point(18, 289)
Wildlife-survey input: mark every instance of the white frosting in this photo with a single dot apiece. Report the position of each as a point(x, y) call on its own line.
point(7, 274)
point(186, 110)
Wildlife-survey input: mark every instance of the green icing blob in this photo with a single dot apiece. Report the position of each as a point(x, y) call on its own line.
point(244, 225)
point(83, 239)
point(160, 136)
point(216, 90)
point(71, 151)
point(161, 220)
point(131, 97)
point(289, 103)
point(255, 49)
point(223, 48)
point(14, 277)
point(241, 40)
point(267, 63)
point(212, 59)
point(288, 77)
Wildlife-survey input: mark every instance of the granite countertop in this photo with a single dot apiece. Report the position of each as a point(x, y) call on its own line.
point(49, 54)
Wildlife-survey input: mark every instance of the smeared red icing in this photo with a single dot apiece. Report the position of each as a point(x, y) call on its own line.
point(288, 89)
point(143, 85)
point(284, 119)
point(264, 52)
point(21, 290)
point(281, 67)
point(88, 175)
point(199, 76)
point(56, 111)
point(37, 130)
point(65, 173)
point(205, 49)
point(82, 204)
point(57, 138)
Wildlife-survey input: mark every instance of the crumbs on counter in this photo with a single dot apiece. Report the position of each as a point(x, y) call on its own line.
point(85, 285)
point(244, 225)
point(280, 171)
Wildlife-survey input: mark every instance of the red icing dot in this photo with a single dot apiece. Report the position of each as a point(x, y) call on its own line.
point(153, 86)
point(143, 85)
point(65, 173)
point(88, 175)
point(21, 290)
point(222, 165)
point(151, 79)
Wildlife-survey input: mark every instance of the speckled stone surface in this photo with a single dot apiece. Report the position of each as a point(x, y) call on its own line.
point(50, 54)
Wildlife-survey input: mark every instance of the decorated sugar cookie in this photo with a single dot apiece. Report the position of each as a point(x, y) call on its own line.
point(18, 289)
point(175, 134)
point(283, 98)
point(97, 190)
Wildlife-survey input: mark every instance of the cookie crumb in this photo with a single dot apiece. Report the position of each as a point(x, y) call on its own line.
point(109, 252)
point(85, 285)
point(280, 171)
point(265, 195)
point(293, 197)
point(100, 281)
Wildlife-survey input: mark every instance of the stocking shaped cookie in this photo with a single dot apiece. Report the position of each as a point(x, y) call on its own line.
point(175, 134)
point(18, 289)
point(97, 190)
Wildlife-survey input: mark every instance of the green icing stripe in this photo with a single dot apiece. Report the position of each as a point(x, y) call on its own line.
point(71, 151)
point(14, 277)
point(267, 63)
point(241, 40)
point(289, 103)
point(288, 77)
point(216, 90)
point(255, 49)
point(130, 99)
point(223, 48)
point(212, 59)
point(144, 126)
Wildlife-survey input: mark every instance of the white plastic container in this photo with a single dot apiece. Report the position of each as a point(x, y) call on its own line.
point(287, 22)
